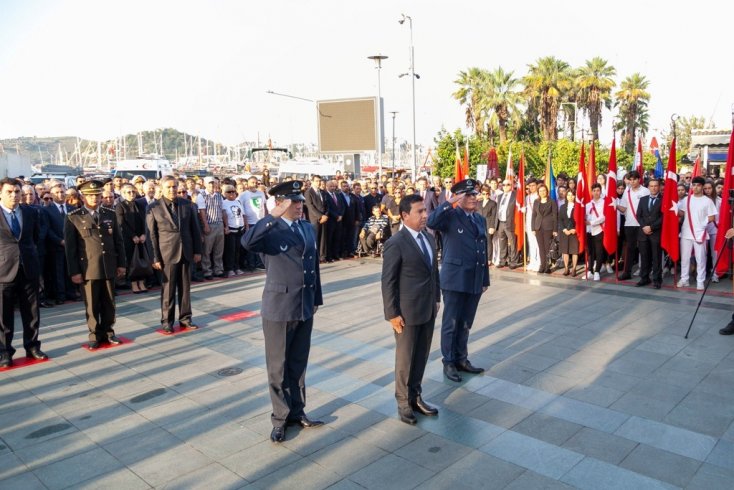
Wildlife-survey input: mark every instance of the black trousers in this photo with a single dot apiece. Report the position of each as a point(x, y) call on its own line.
point(651, 257)
point(508, 243)
point(99, 301)
point(596, 251)
point(332, 235)
point(287, 345)
point(544, 237)
point(631, 253)
point(176, 282)
point(412, 347)
point(232, 249)
point(25, 291)
point(459, 310)
point(58, 258)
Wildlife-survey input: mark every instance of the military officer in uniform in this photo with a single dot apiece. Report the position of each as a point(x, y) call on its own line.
point(95, 255)
point(464, 274)
point(292, 294)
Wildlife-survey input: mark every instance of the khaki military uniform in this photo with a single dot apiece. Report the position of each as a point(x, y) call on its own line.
point(94, 249)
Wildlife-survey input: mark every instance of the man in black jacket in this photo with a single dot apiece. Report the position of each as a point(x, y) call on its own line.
point(317, 213)
point(352, 215)
point(411, 296)
point(176, 242)
point(650, 217)
point(19, 273)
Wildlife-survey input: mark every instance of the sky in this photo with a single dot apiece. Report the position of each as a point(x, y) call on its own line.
point(98, 69)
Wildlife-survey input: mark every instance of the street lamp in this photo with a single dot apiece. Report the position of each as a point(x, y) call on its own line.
point(393, 141)
point(378, 65)
point(413, 76)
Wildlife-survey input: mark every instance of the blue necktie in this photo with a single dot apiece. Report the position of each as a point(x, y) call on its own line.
point(426, 255)
point(14, 225)
point(297, 231)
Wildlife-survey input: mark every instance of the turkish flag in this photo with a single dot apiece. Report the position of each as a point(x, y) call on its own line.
point(725, 210)
point(610, 204)
point(638, 159)
point(669, 235)
point(519, 202)
point(582, 197)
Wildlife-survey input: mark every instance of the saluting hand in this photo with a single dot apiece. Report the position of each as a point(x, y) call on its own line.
point(456, 198)
point(280, 209)
point(397, 324)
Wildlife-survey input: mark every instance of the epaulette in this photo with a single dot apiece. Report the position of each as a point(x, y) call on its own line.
point(76, 211)
point(105, 208)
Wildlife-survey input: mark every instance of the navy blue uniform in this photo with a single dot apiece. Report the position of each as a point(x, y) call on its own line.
point(464, 275)
point(292, 292)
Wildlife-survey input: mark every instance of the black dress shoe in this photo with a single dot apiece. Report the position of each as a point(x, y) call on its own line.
point(36, 354)
point(514, 266)
point(468, 368)
point(114, 340)
point(642, 283)
point(423, 408)
point(189, 326)
point(449, 370)
point(277, 434)
point(625, 277)
point(167, 329)
point(94, 345)
point(656, 285)
point(208, 278)
point(59, 302)
point(45, 304)
point(5, 360)
point(305, 422)
point(728, 330)
point(407, 416)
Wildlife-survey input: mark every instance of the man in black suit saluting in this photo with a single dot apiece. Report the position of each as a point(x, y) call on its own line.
point(650, 217)
point(176, 242)
point(19, 273)
point(411, 296)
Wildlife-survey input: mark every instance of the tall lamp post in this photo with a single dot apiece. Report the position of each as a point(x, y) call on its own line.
point(413, 76)
point(378, 65)
point(393, 141)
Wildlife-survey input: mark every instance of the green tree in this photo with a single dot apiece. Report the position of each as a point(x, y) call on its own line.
point(503, 99)
point(595, 83)
point(631, 101)
point(547, 83)
point(472, 89)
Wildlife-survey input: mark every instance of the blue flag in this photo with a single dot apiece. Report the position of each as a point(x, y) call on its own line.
point(552, 186)
point(659, 170)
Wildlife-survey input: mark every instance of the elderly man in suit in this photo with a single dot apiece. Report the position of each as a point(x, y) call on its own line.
point(411, 296)
point(650, 217)
point(506, 227)
point(19, 273)
point(175, 238)
point(464, 274)
point(95, 256)
point(291, 297)
point(317, 212)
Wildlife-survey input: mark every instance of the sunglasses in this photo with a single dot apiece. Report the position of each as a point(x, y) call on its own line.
point(48, 198)
point(181, 192)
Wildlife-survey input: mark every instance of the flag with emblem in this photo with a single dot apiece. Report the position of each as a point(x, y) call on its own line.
point(669, 234)
point(610, 204)
point(724, 212)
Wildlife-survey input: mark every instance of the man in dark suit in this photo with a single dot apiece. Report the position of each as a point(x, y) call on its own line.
point(488, 209)
point(56, 213)
point(373, 197)
point(317, 213)
point(411, 296)
point(95, 256)
point(176, 242)
point(352, 214)
point(291, 297)
point(335, 212)
point(650, 217)
point(19, 273)
point(464, 274)
point(506, 227)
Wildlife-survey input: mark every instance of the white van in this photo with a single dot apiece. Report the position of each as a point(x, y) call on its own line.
point(150, 168)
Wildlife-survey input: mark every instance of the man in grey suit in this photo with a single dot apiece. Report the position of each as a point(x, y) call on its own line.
point(411, 297)
point(176, 242)
point(292, 294)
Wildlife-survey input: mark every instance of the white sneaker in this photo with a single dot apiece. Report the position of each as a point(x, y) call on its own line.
point(596, 276)
point(699, 286)
point(714, 278)
point(610, 269)
point(239, 272)
point(636, 273)
point(682, 284)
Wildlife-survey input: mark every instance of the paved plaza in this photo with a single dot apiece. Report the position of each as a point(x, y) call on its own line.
point(588, 385)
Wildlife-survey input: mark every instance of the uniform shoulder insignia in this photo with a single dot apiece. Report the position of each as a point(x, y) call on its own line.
point(76, 211)
point(105, 208)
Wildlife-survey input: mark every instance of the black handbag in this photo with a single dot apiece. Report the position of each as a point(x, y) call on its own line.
point(554, 250)
point(140, 266)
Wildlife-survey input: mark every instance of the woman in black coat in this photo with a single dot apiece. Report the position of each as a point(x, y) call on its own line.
point(568, 243)
point(131, 223)
point(488, 208)
point(545, 225)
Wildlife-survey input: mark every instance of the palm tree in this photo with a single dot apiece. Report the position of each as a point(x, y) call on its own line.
point(631, 100)
point(502, 99)
point(472, 87)
point(595, 83)
point(546, 84)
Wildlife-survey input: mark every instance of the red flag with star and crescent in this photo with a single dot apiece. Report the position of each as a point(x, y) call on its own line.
point(582, 197)
point(669, 235)
point(610, 204)
point(724, 212)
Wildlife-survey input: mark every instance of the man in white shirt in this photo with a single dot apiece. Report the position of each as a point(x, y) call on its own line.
point(532, 241)
point(594, 230)
point(628, 205)
point(253, 200)
point(697, 210)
